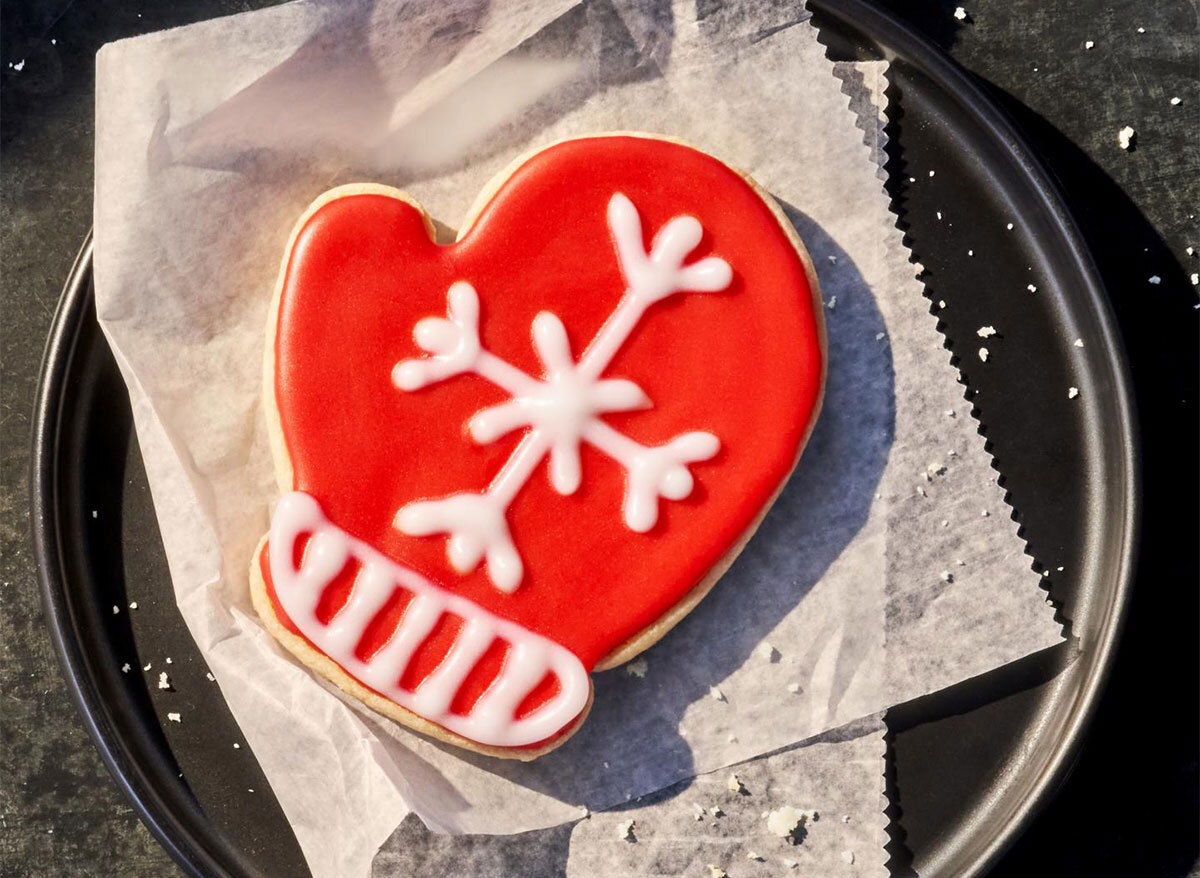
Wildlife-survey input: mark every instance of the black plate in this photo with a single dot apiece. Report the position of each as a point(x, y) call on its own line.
point(968, 767)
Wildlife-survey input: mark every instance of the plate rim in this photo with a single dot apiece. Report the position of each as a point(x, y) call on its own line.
point(164, 812)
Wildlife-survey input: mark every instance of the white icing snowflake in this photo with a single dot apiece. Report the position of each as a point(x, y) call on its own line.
point(563, 408)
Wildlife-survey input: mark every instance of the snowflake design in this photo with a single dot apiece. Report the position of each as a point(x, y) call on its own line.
point(564, 408)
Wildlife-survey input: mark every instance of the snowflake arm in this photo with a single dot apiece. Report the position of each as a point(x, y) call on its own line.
point(565, 407)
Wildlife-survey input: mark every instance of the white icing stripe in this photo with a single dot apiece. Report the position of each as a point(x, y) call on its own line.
point(564, 408)
point(492, 720)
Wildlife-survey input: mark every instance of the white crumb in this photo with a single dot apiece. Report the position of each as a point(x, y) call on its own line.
point(637, 667)
point(125, 668)
point(879, 336)
point(1141, 30)
point(961, 563)
point(1175, 102)
point(832, 303)
point(1195, 279)
point(790, 863)
point(163, 681)
point(945, 523)
point(1072, 392)
point(983, 354)
point(625, 830)
point(147, 666)
point(753, 855)
point(1090, 44)
point(970, 252)
point(1031, 288)
point(211, 678)
point(1155, 279)
point(174, 717)
point(133, 605)
point(941, 303)
point(939, 214)
point(1078, 342)
point(933, 470)
point(845, 818)
point(931, 173)
point(1009, 227)
point(716, 811)
point(116, 609)
point(947, 576)
point(767, 652)
point(735, 785)
point(984, 513)
point(698, 811)
point(1126, 136)
point(716, 694)
point(950, 413)
point(785, 821)
point(985, 331)
point(1190, 251)
point(833, 259)
point(960, 13)
point(95, 514)
point(237, 746)
point(716, 872)
point(848, 857)
point(794, 688)
point(168, 660)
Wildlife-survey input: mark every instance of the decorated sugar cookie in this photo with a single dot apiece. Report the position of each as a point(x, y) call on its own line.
point(522, 457)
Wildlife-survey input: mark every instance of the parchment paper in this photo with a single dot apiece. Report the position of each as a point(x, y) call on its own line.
point(681, 830)
point(211, 140)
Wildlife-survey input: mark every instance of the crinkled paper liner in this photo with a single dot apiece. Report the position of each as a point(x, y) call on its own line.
point(210, 141)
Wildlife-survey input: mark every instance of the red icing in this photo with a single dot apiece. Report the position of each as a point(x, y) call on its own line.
point(744, 364)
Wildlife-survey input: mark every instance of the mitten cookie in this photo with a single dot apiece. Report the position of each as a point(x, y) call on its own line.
point(517, 458)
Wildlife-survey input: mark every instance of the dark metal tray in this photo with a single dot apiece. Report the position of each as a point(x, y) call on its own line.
point(968, 767)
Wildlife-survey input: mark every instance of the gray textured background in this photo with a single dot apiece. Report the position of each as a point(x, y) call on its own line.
point(1124, 811)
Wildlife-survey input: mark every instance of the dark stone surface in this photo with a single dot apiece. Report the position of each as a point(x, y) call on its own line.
point(1130, 807)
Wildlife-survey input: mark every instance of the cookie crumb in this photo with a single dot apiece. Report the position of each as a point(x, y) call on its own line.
point(175, 717)
point(716, 694)
point(768, 653)
point(788, 823)
point(983, 354)
point(625, 830)
point(985, 331)
point(637, 667)
point(735, 785)
point(163, 681)
point(1072, 392)
point(848, 857)
point(1126, 136)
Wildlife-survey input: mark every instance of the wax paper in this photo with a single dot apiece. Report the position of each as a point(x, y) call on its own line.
point(211, 140)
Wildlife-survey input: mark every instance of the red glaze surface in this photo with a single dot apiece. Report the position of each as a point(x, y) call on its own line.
point(745, 364)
